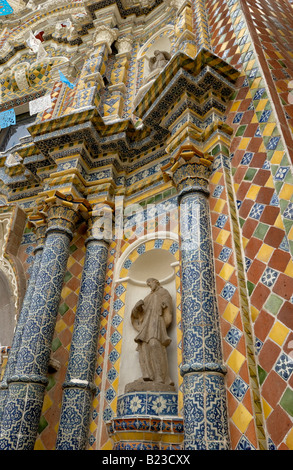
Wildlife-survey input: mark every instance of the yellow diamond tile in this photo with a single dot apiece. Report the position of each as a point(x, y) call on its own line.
point(242, 418)
point(265, 253)
point(279, 333)
point(235, 360)
point(230, 313)
point(216, 177)
point(226, 271)
point(222, 237)
point(244, 143)
point(219, 206)
point(235, 106)
point(253, 192)
point(39, 445)
point(268, 130)
point(277, 157)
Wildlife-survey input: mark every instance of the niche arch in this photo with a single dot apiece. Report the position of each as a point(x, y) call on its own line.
point(159, 258)
point(162, 40)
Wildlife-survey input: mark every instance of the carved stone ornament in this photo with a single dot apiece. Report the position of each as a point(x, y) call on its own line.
point(151, 318)
point(105, 35)
point(124, 45)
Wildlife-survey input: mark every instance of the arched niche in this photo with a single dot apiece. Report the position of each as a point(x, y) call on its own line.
point(150, 259)
point(7, 311)
point(163, 40)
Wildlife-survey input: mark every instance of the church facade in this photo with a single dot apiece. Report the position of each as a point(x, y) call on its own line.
point(146, 212)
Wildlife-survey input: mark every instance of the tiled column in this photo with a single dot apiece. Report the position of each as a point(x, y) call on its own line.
point(40, 227)
point(79, 386)
point(204, 392)
point(26, 387)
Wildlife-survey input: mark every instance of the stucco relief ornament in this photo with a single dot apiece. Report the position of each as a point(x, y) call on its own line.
point(124, 45)
point(105, 35)
point(151, 318)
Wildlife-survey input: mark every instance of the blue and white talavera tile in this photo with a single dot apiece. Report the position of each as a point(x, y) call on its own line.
point(147, 403)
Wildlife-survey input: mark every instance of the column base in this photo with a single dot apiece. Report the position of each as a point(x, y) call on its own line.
point(147, 421)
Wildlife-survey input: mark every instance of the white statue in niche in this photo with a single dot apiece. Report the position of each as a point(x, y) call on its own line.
point(158, 60)
point(151, 318)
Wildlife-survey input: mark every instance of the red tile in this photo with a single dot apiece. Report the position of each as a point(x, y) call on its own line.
point(263, 325)
point(265, 195)
point(249, 227)
point(273, 388)
point(245, 208)
point(278, 425)
point(255, 271)
point(286, 315)
point(261, 177)
point(269, 215)
point(279, 260)
point(284, 286)
point(252, 247)
point(268, 355)
point(274, 237)
point(259, 296)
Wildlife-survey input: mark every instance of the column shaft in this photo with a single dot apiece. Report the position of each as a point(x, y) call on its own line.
point(78, 386)
point(205, 420)
point(22, 318)
point(27, 386)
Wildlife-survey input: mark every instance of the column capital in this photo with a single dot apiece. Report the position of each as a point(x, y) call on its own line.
point(100, 222)
point(105, 35)
point(189, 170)
point(63, 212)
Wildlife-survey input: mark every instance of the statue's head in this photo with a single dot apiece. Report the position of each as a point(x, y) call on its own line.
point(153, 283)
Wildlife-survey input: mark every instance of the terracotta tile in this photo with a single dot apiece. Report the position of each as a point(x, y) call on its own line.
point(270, 214)
point(286, 315)
point(245, 208)
point(261, 177)
point(242, 190)
point(274, 237)
point(251, 434)
point(268, 355)
point(265, 195)
point(284, 286)
point(252, 247)
point(255, 271)
point(258, 160)
point(263, 324)
point(259, 296)
point(279, 260)
point(249, 227)
point(278, 425)
point(273, 388)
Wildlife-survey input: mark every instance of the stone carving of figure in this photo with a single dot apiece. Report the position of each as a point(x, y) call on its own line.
point(151, 317)
point(159, 60)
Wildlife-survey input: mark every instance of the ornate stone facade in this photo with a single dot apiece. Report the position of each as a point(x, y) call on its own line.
point(130, 167)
